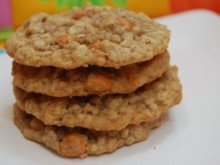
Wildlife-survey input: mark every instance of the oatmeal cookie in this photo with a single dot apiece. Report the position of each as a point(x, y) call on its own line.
point(108, 112)
point(101, 36)
point(80, 142)
point(85, 81)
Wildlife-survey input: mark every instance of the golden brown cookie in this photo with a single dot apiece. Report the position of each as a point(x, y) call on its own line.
point(101, 36)
point(80, 142)
point(92, 80)
point(108, 112)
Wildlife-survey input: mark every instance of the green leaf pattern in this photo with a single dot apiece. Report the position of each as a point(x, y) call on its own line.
point(79, 3)
point(120, 3)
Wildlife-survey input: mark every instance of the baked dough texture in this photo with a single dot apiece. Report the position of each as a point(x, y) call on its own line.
point(101, 36)
point(108, 112)
point(81, 142)
point(86, 81)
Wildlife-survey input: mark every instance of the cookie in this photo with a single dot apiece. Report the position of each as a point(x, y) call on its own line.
point(80, 142)
point(101, 36)
point(108, 112)
point(85, 81)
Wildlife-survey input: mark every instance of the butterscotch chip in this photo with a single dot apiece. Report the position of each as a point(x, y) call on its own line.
point(98, 82)
point(97, 45)
point(108, 112)
point(77, 14)
point(36, 124)
point(85, 81)
point(125, 22)
point(65, 40)
point(81, 142)
point(74, 144)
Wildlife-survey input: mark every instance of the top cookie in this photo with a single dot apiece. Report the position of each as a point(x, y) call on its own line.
point(102, 36)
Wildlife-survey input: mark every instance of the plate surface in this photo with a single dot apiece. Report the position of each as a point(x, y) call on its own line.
point(191, 135)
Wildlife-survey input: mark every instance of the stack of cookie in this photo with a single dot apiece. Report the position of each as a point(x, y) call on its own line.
point(91, 80)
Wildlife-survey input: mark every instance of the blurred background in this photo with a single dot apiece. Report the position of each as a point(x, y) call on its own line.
point(14, 12)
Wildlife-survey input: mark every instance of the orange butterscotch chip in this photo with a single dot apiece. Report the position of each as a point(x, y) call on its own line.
point(96, 45)
point(77, 14)
point(99, 46)
point(65, 39)
point(36, 124)
point(125, 22)
point(73, 144)
point(98, 82)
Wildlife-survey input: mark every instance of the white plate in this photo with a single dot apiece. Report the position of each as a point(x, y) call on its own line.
point(191, 135)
